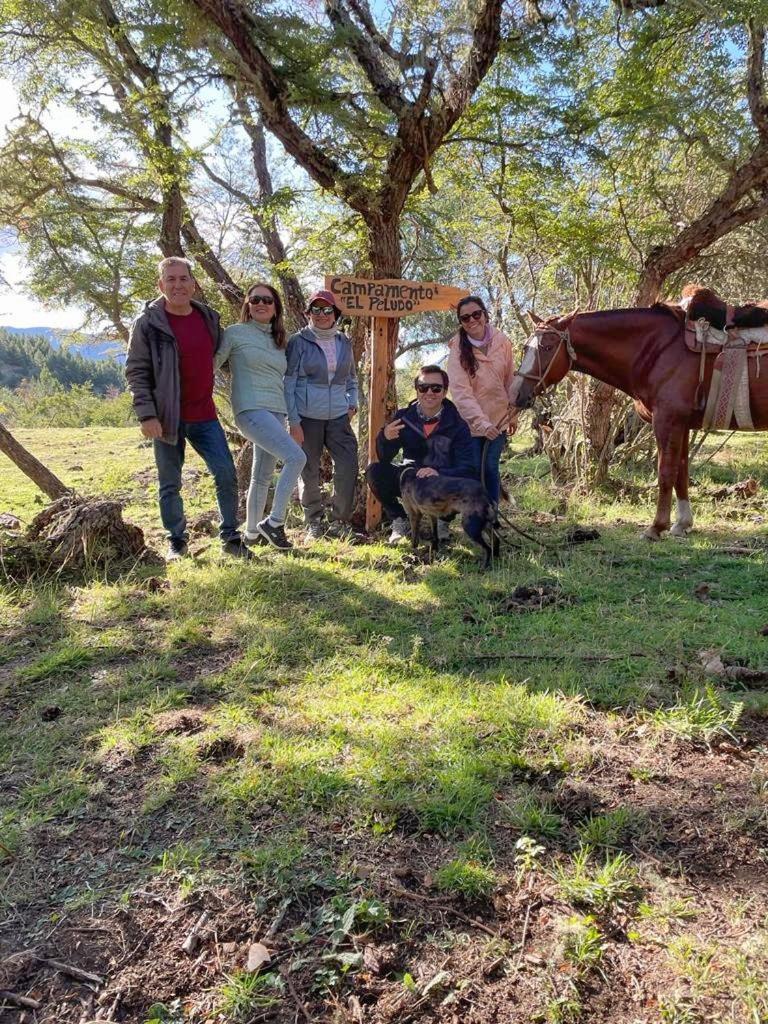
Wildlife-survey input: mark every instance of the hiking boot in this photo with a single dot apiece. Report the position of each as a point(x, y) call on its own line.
point(237, 548)
point(274, 534)
point(339, 529)
point(177, 548)
point(443, 531)
point(254, 540)
point(401, 531)
point(315, 531)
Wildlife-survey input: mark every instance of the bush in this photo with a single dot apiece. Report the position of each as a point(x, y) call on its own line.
point(47, 403)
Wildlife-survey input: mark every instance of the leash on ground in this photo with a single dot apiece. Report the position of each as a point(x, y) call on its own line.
point(497, 513)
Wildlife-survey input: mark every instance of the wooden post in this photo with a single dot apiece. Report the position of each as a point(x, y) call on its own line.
point(377, 398)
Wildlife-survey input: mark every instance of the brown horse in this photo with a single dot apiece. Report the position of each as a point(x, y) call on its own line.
point(643, 353)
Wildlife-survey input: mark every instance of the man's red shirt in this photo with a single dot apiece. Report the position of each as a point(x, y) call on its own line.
point(195, 346)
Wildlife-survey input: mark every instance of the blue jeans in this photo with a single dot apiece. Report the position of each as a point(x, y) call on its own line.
point(210, 443)
point(492, 477)
point(271, 441)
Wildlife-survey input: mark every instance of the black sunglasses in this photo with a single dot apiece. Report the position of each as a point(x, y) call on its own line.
point(434, 388)
point(466, 317)
point(325, 310)
point(254, 300)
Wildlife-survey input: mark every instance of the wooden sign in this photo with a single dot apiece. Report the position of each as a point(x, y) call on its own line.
point(389, 297)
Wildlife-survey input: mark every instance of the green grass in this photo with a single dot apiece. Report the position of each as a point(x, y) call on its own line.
point(294, 728)
point(602, 885)
point(470, 874)
point(243, 994)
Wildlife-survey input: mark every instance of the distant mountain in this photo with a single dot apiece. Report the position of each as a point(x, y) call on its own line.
point(93, 348)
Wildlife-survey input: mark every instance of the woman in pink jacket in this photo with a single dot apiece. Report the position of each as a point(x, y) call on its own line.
point(481, 368)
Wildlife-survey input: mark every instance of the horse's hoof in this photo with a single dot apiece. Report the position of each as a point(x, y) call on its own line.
point(651, 533)
point(678, 530)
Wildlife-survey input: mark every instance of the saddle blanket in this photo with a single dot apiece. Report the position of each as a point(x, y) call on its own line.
point(729, 391)
point(728, 397)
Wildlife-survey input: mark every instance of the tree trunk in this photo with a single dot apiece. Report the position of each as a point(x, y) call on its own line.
point(386, 261)
point(41, 476)
point(599, 429)
point(209, 261)
point(741, 201)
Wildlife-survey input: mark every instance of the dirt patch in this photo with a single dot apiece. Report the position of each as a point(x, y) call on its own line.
point(432, 955)
point(206, 524)
point(533, 598)
point(581, 535)
point(222, 749)
point(186, 722)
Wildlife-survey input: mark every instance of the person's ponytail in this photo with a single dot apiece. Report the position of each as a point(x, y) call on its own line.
point(467, 356)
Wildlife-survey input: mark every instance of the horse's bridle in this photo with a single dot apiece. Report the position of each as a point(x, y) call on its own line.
point(564, 339)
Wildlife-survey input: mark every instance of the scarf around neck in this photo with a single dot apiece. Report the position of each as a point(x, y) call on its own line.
point(485, 340)
point(326, 339)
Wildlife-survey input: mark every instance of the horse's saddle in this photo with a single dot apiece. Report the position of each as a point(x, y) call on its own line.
point(732, 334)
point(712, 324)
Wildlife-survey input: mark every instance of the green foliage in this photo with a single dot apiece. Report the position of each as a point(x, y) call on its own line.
point(563, 1009)
point(612, 830)
point(527, 857)
point(602, 887)
point(468, 875)
point(532, 814)
point(583, 944)
point(66, 660)
point(47, 403)
point(701, 716)
point(244, 993)
point(162, 1013)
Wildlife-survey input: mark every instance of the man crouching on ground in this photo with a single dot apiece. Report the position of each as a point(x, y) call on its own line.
point(170, 376)
point(432, 436)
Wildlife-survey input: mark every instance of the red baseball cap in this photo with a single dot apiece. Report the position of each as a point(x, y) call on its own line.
point(325, 296)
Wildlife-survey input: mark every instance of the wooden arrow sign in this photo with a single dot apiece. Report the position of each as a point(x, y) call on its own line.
point(388, 297)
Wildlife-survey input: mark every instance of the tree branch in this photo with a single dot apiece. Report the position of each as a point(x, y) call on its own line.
point(268, 226)
point(270, 90)
point(486, 36)
point(385, 87)
point(363, 13)
point(721, 217)
point(755, 78)
point(209, 261)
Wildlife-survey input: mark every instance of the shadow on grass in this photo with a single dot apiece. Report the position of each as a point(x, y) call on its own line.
point(351, 698)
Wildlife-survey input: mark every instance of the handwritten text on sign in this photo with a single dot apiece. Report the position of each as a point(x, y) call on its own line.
point(391, 297)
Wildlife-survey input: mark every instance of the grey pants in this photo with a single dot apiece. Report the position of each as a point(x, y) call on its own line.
point(271, 441)
point(339, 438)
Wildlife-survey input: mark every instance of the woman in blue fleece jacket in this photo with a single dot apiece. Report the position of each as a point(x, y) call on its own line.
point(321, 397)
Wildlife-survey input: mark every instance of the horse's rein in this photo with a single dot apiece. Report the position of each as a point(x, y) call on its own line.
point(564, 339)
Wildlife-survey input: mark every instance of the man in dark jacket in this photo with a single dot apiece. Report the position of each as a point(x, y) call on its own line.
point(431, 435)
point(170, 376)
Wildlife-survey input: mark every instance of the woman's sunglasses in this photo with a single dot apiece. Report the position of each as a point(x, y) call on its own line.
point(434, 388)
point(322, 310)
point(466, 317)
point(254, 300)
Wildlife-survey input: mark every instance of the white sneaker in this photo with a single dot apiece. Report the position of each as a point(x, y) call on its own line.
point(443, 530)
point(401, 530)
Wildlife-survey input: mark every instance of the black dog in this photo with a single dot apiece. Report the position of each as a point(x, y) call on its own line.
point(441, 496)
